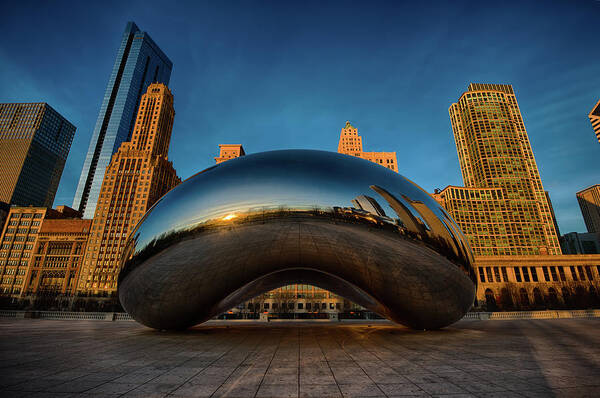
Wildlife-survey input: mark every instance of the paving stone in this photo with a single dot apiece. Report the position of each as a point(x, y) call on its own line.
point(85, 359)
point(402, 389)
point(320, 391)
point(361, 389)
point(277, 391)
point(441, 388)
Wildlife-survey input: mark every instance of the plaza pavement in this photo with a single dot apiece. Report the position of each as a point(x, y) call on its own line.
point(520, 358)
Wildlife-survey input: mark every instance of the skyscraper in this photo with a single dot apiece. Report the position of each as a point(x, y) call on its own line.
point(503, 208)
point(595, 119)
point(589, 202)
point(351, 144)
point(34, 144)
point(137, 176)
point(139, 62)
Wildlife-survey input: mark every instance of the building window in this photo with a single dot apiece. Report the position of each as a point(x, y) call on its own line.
point(518, 274)
point(581, 274)
point(588, 271)
point(573, 273)
point(504, 274)
point(300, 306)
point(561, 271)
point(546, 274)
point(481, 275)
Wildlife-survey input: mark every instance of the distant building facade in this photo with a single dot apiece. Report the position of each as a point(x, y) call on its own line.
point(595, 119)
point(296, 301)
point(21, 265)
point(580, 243)
point(139, 63)
point(589, 203)
point(554, 220)
point(351, 144)
point(502, 209)
point(229, 151)
point(34, 145)
point(4, 209)
point(538, 282)
point(57, 257)
point(137, 176)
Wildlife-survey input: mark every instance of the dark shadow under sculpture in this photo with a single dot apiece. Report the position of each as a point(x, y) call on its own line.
point(255, 223)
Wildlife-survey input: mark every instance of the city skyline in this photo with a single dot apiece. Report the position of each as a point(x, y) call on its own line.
point(139, 63)
point(558, 126)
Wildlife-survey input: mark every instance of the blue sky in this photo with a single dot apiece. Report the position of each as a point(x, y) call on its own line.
point(275, 75)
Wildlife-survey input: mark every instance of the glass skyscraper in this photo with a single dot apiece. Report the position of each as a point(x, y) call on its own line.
point(139, 63)
point(34, 144)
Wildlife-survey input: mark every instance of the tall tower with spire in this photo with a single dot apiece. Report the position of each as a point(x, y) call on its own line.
point(137, 176)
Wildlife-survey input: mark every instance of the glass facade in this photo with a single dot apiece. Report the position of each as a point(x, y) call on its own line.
point(139, 63)
point(34, 145)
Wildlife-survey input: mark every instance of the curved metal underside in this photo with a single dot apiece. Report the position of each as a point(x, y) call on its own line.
point(256, 223)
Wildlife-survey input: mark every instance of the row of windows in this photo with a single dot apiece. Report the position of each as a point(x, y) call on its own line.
point(530, 274)
point(21, 230)
point(17, 246)
point(26, 215)
point(291, 306)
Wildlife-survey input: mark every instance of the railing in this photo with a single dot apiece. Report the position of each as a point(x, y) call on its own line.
point(10, 314)
point(550, 314)
point(100, 316)
point(123, 316)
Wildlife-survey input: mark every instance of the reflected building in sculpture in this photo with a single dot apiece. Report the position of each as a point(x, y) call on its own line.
point(502, 208)
point(137, 176)
point(289, 299)
point(289, 218)
point(139, 63)
point(304, 299)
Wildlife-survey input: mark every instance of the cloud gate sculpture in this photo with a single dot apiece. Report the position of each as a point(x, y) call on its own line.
point(255, 223)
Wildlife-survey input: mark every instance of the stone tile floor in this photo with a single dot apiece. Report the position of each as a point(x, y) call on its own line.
point(521, 358)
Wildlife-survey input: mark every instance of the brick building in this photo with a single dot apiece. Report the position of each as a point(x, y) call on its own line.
point(41, 248)
point(137, 176)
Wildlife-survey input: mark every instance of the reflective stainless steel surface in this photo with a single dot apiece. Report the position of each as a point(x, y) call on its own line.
point(258, 222)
